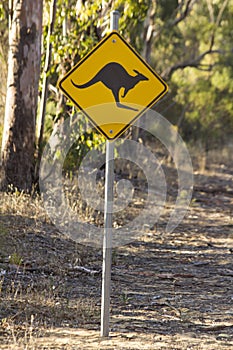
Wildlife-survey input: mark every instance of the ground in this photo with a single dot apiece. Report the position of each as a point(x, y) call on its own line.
point(168, 291)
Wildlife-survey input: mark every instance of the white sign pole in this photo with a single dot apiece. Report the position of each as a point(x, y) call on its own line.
point(108, 206)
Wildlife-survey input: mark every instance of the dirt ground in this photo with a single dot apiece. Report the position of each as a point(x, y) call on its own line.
point(169, 290)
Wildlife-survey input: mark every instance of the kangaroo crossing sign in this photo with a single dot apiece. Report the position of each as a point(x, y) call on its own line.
point(113, 85)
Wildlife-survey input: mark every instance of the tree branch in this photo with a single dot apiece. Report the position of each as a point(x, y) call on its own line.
point(211, 10)
point(217, 23)
point(195, 63)
point(184, 14)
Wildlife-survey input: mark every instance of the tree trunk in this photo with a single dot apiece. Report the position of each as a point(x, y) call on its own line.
point(18, 144)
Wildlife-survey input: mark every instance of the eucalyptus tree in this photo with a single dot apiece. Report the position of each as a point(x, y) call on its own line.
point(24, 57)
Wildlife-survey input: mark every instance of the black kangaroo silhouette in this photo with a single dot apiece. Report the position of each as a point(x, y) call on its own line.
point(114, 76)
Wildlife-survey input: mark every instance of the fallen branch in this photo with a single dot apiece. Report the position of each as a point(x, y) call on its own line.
point(86, 270)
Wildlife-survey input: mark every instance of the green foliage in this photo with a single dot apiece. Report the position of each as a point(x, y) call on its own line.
point(86, 142)
point(78, 27)
point(4, 10)
point(201, 92)
point(166, 9)
point(131, 23)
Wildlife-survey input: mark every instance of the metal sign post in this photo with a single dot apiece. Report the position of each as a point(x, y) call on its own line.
point(98, 79)
point(108, 206)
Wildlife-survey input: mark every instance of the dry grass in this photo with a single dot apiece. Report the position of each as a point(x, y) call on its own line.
point(169, 291)
point(32, 274)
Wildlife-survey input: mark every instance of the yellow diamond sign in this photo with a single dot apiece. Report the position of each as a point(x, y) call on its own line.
point(113, 73)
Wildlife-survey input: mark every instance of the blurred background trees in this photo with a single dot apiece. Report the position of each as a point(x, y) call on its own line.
point(188, 42)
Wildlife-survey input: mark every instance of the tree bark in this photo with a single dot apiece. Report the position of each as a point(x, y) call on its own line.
point(24, 57)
